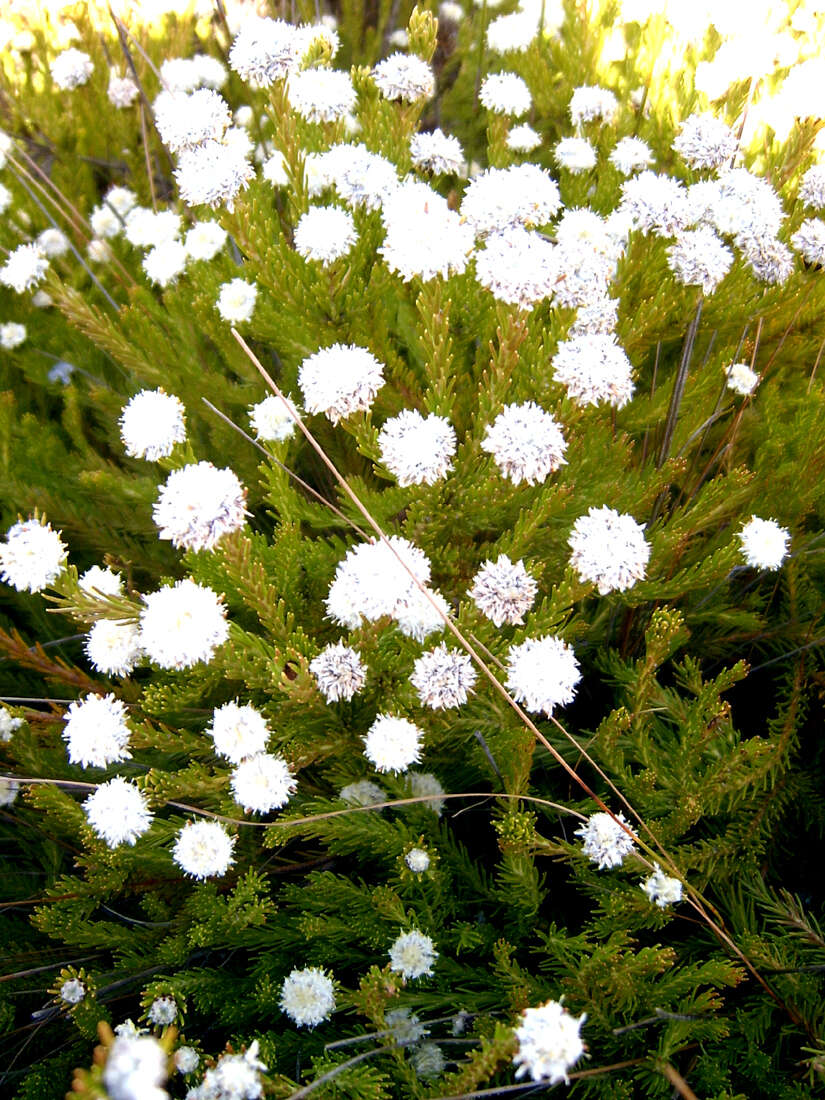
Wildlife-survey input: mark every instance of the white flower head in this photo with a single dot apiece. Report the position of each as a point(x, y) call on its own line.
point(591, 103)
point(594, 369)
point(543, 673)
point(503, 591)
point(53, 243)
point(812, 187)
point(8, 725)
point(118, 812)
point(412, 955)
point(97, 581)
point(609, 549)
point(262, 783)
point(426, 785)
point(12, 335)
point(71, 69)
point(113, 646)
point(741, 379)
point(699, 258)
point(417, 450)
point(186, 120)
point(135, 1067)
point(514, 31)
point(236, 300)
point(657, 204)
point(523, 138)
point(234, 1077)
point(505, 94)
point(198, 505)
point(443, 678)
point(72, 991)
point(705, 141)
point(122, 91)
point(340, 380)
point(151, 425)
point(204, 849)
point(526, 443)
point(605, 842)
point(661, 888)
point(549, 1042)
point(205, 240)
point(274, 170)
point(404, 1026)
point(339, 672)
point(32, 556)
point(764, 543)
point(215, 172)
point(325, 233)
point(428, 1061)
point(404, 76)
point(186, 1060)
point(438, 153)
point(518, 267)
point(575, 154)
point(273, 418)
point(418, 860)
point(809, 241)
point(146, 228)
point(363, 792)
point(392, 744)
point(630, 155)
point(163, 263)
point(238, 732)
point(96, 732)
point(308, 996)
point(182, 624)
point(371, 582)
point(25, 267)
point(265, 50)
point(163, 1011)
point(424, 237)
point(505, 198)
point(321, 95)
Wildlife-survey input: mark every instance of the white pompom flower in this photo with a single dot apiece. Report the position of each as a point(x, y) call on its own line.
point(25, 267)
point(274, 418)
point(404, 76)
point(205, 240)
point(418, 860)
point(764, 543)
point(99, 581)
point(72, 991)
point(262, 783)
point(412, 955)
point(503, 591)
point(198, 505)
point(526, 443)
point(605, 842)
point(443, 678)
point(238, 731)
point(661, 888)
point(186, 120)
point(609, 549)
point(163, 263)
point(33, 556)
point(417, 450)
point(135, 1067)
point(393, 744)
point(236, 301)
point(549, 1042)
point(575, 154)
point(12, 335)
point(118, 812)
point(594, 368)
point(325, 234)
point(741, 379)
point(163, 1011)
point(505, 94)
point(321, 95)
point(71, 69)
point(339, 672)
point(438, 153)
point(182, 625)
point(96, 731)
point(152, 424)
point(543, 673)
point(113, 646)
point(340, 380)
point(308, 996)
point(204, 849)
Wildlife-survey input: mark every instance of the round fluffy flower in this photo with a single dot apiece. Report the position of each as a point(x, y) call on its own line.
point(205, 240)
point(523, 139)
point(338, 671)
point(360, 177)
point(361, 793)
point(264, 50)
point(147, 228)
point(601, 316)
point(698, 258)
point(262, 783)
point(764, 543)
point(609, 548)
point(32, 556)
point(71, 68)
point(340, 380)
point(417, 450)
point(661, 888)
point(503, 591)
point(404, 1026)
point(135, 1069)
point(769, 259)
point(273, 418)
point(113, 646)
point(371, 582)
point(705, 141)
point(590, 103)
point(812, 187)
point(274, 171)
point(308, 996)
point(604, 840)
point(151, 424)
point(215, 172)
point(321, 95)
point(443, 678)
point(526, 443)
point(122, 91)
point(404, 76)
point(594, 368)
point(184, 121)
point(72, 991)
point(25, 267)
point(741, 379)
point(53, 243)
point(165, 262)
point(438, 153)
point(97, 581)
point(236, 300)
point(504, 198)
point(575, 154)
point(418, 618)
point(105, 222)
point(549, 1042)
point(412, 955)
point(392, 744)
point(186, 1059)
point(518, 267)
point(505, 94)
point(234, 1077)
point(96, 732)
point(182, 624)
point(12, 335)
point(657, 203)
point(542, 673)
point(417, 860)
point(424, 237)
point(325, 233)
point(238, 731)
point(809, 241)
point(631, 155)
point(198, 505)
point(747, 207)
point(426, 785)
point(163, 1011)
point(204, 849)
point(514, 31)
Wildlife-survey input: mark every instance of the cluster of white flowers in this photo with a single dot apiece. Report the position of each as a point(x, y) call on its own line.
point(503, 198)
point(518, 266)
point(238, 731)
point(113, 646)
point(264, 50)
point(186, 1060)
point(233, 1077)
point(630, 155)
point(513, 32)
point(392, 744)
point(575, 155)
point(661, 888)
point(151, 424)
point(594, 368)
point(321, 95)
point(339, 672)
point(198, 505)
point(33, 556)
point(71, 69)
point(203, 849)
point(609, 549)
point(262, 783)
point(424, 237)
point(699, 258)
point(657, 204)
point(9, 725)
point(523, 138)
point(24, 268)
point(135, 1069)
point(549, 1042)
point(308, 996)
point(101, 581)
point(812, 187)
point(204, 240)
point(412, 955)
point(542, 673)
point(592, 103)
point(360, 177)
point(764, 543)
point(404, 76)
point(214, 173)
point(417, 450)
point(705, 141)
point(324, 233)
point(236, 300)
point(418, 860)
point(438, 153)
point(72, 991)
point(503, 590)
point(182, 624)
point(340, 380)
point(12, 335)
point(185, 120)
point(809, 241)
point(741, 379)
point(118, 812)
point(605, 841)
point(505, 94)
point(443, 678)
point(274, 418)
point(122, 91)
point(526, 443)
point(96, 732)
point(163, 1011)
point(363, 792)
